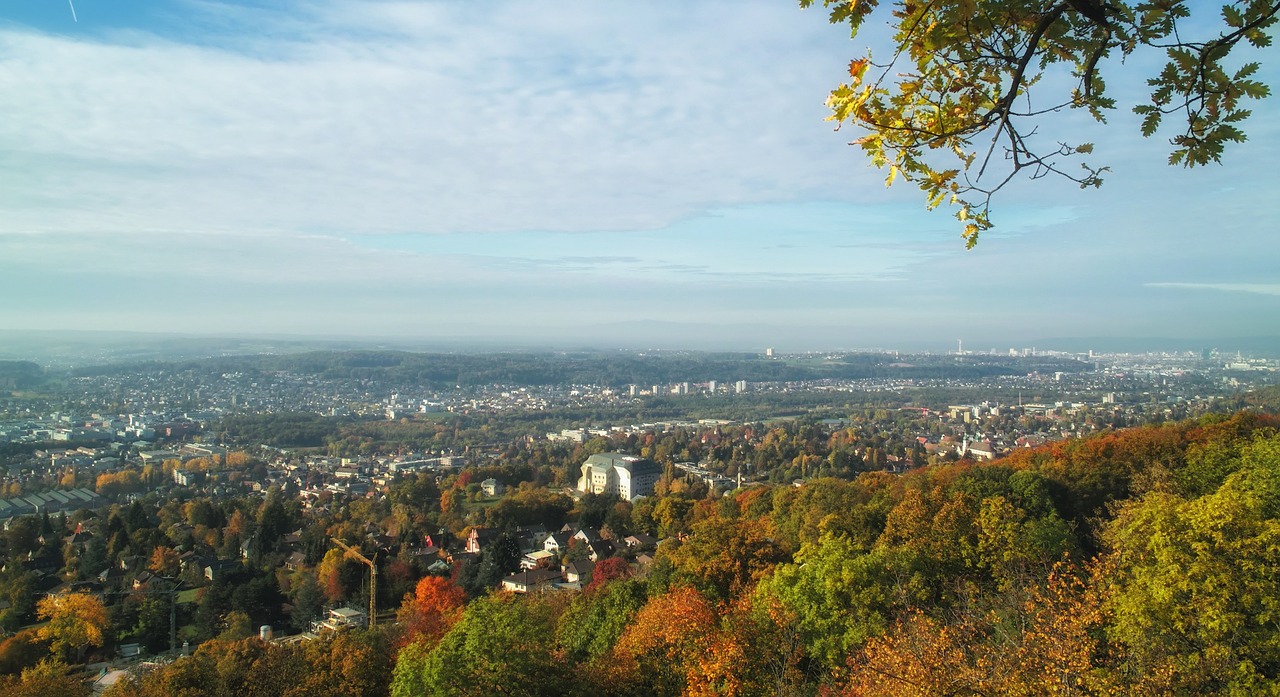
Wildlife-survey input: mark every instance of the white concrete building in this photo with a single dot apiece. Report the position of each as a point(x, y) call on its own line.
point(614, 473)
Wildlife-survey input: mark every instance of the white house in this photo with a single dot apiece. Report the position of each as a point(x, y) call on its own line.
point(493, 487)
point(531, 581)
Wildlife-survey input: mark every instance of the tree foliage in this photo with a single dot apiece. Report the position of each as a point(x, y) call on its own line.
point(954, 107)
point(502, 646)
point(430, 611)
point(1135, 562)
point(659, 650)
point(349, 663)
point(46, 679)
point(1043, 643)
point(77, 621)
point(1196, 596)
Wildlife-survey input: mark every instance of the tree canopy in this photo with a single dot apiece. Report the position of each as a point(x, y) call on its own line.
point(76, 621)
point(955, 107)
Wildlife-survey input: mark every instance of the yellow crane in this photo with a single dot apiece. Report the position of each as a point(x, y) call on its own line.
point(373, 577)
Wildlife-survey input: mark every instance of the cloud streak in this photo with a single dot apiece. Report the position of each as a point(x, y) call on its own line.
point(1252, 288)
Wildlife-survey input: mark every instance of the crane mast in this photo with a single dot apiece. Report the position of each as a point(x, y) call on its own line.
point(373, 577)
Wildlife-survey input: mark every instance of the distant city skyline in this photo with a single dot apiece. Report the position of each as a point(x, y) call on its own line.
point(596, 176)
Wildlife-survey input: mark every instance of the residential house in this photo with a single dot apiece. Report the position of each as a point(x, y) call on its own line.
point(479, 539)
point(533, 559)
point(579, 571)
point(600, 550)
point(532, 536)
point(531, 581)
point(221, 568)
point(557, 543)
point(493, 487)
point(587, 535)
point(640, 541)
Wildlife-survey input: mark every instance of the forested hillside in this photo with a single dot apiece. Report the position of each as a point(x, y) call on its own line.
point(1143, 561)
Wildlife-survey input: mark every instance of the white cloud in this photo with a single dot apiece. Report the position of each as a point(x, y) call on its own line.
point(294, 166)
point(432, 117)
point(1253, 288)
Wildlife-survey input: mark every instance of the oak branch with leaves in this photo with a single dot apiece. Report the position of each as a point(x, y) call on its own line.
point(954, 109)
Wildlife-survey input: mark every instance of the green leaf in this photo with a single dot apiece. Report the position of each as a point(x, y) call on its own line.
point(1151, 122)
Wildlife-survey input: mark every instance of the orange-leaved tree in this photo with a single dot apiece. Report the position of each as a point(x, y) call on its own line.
point(1045, 642)
point(661, 646)
point(427, 614)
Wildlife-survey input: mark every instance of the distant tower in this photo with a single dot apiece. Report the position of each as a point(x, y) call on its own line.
point(959, 347)
point(768, 353)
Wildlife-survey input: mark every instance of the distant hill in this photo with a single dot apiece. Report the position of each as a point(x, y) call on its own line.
point(20, 375)
point(445, 370)
point(1256, 345)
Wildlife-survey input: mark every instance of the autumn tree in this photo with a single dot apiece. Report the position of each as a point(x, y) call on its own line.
point(355, 662)
point(329, 575)
point(759, 651)
point(1198, 582)
point(47, 678)
point(164, 561)
point(591, 625)
point(77, 621)
point(660, 648)
point(122, 482)
point(1039, 640)
point(606, 571)
point(955, 106)
point(725, 553)
point(428, 613)
point(503, 645)
point(22, 650)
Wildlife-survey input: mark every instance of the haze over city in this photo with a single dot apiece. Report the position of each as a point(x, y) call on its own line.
point(583, 174)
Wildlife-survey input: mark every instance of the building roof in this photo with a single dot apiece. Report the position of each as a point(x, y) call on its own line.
point(634, 465)
point(532, 578)
point(640, 540)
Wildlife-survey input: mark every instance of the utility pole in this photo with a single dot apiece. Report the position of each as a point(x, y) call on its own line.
point(373, 578)
point(174, 585)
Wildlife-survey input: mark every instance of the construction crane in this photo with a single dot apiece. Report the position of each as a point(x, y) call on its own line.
point(373, 577)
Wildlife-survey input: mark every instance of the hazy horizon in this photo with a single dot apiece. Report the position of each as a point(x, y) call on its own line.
point(68, 349)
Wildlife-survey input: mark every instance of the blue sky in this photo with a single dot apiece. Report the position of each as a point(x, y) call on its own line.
point(570, 173)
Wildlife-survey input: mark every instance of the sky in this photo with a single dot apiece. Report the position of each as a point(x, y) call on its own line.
point(565, 174)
